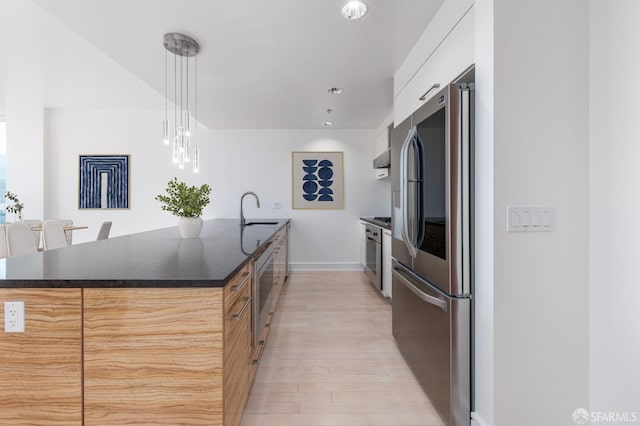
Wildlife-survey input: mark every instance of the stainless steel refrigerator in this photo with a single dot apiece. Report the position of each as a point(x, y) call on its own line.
point(432, 247)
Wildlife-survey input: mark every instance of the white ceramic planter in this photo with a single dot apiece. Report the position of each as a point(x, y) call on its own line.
point(190, 227)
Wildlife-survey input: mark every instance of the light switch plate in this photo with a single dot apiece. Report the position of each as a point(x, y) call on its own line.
point(530, 219)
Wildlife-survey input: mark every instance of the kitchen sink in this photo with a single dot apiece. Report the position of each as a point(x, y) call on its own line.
point(260, 223)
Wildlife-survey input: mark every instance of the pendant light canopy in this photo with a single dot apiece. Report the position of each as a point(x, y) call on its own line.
point(179, 136)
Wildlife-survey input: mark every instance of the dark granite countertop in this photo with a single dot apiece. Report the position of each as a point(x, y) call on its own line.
point(159, 258)
point(374, 221)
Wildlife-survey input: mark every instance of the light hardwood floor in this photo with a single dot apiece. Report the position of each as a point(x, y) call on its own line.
point(331, 360)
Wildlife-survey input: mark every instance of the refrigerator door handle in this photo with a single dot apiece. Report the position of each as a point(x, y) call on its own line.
point(404, 207)
point(463, 264)
point(440, 303)
point(418, 236)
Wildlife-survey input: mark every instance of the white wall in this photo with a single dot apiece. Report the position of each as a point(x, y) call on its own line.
point(25, 151)
point(541, 150)
point(484, 229)
point(615, 203)
point(51, 66)
point(233, 161)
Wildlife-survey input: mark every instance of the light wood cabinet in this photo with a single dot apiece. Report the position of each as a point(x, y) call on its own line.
point(237, 347)
point(168, 356)
point(280, 263)
point(153, 356)
point(41, 369)
point(147, 355)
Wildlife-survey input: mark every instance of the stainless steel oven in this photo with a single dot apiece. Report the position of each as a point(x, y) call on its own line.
point(373, 255)
point(262, 290)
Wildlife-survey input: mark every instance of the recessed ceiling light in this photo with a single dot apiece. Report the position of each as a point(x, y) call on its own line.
point(335, 90)
point(327, 123)
point(354, 10)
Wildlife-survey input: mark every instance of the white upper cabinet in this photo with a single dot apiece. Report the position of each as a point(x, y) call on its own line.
point(442, 53)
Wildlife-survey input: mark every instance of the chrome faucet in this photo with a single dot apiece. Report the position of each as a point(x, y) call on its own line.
point(242, 221)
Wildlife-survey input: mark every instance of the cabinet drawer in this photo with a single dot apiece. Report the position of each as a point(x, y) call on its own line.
point(236, 368)
point(236, 319)
point(236, 286)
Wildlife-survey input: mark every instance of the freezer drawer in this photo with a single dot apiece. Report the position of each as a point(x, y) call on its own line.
point(433, 334)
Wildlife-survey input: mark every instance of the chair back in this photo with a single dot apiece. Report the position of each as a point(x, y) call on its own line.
point(103, 234)
point(68, 234)
point(20, 239)
point(53, 235)
point(4, 252)
point(32, 223)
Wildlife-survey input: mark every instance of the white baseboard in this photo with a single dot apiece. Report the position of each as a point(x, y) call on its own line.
point(325, 266)
point(476, 420)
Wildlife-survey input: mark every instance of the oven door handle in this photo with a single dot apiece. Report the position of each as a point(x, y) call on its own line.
point(436, 301)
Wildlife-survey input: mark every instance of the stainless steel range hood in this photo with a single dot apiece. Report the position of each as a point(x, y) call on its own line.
point(383, 161)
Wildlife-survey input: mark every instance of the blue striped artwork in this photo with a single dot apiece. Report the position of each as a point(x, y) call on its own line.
point(104, 182)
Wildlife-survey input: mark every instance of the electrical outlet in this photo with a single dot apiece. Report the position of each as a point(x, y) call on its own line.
point(277, 205)
point(14, 317)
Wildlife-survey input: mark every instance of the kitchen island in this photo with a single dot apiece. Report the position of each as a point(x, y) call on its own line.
point(147, 328)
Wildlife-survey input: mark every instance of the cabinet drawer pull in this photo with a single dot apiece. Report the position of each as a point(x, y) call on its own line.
point(237, 287)
point(237, 316)
point(423, 97)
point(257, 360)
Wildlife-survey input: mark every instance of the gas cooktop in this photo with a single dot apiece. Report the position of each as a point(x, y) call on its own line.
point(383, 222)
point(383, 219)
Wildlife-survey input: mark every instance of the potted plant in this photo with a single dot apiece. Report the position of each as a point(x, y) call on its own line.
point(16, 207)
point(187, 203)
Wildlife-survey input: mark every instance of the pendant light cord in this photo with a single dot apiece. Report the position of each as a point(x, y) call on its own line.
point(175, 93)
point(181, 109)
point(165, 84)
point(196, 93)
point(187, 60)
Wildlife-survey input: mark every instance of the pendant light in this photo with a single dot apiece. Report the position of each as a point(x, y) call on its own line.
point(183, 150)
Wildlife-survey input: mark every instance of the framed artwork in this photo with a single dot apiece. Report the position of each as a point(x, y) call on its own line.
point(317, 180)
point(104, 182)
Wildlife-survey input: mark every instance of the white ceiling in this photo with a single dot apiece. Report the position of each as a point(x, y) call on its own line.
point(263, 63)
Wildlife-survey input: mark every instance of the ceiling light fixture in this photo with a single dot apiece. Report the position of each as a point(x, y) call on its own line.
point(354, 10)
point(184, 47)
point(328, 123)
point(334, 90)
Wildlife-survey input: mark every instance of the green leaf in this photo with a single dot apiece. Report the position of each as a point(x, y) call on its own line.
point(184, 201)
